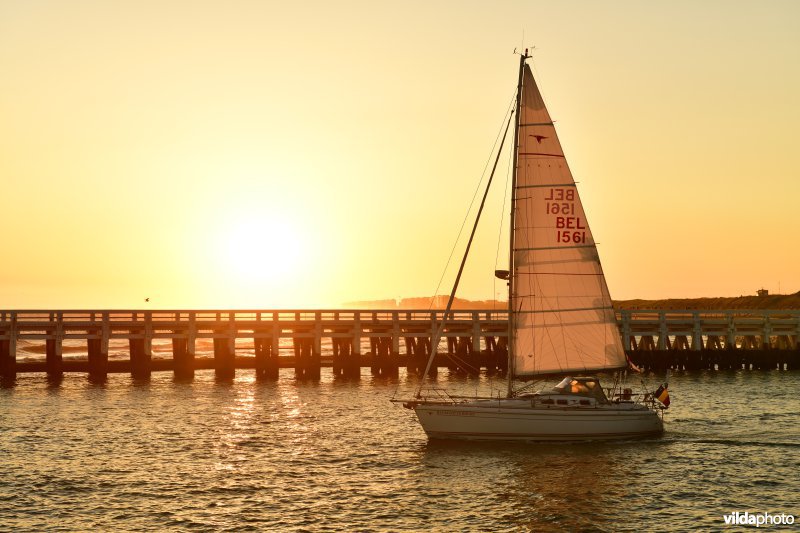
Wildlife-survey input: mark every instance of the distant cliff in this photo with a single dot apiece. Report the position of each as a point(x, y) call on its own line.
point(774, 301)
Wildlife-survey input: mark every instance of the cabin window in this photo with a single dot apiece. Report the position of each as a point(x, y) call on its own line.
point(576, 387)
point(581, 387)
point(561, 402)
point(585, 402)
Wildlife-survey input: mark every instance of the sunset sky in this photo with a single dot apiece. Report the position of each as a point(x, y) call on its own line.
point(305, 154)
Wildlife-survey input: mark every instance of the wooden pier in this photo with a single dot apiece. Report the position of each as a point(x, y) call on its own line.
point(712, 340)
point(347, 340)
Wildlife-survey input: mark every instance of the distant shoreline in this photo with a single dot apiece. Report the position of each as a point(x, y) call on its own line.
point(774, 301)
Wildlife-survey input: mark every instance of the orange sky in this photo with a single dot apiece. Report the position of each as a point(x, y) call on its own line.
point(267, 154)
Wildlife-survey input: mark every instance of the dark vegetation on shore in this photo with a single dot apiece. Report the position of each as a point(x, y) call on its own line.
point(773, 301)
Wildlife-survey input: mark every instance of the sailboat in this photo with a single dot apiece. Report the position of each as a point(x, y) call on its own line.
point(561, 321)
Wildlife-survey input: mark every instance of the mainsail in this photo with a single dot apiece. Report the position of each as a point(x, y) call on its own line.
point(563, 319)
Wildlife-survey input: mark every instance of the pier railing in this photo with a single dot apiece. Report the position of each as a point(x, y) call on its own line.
point(382, 339)
point(649, 329)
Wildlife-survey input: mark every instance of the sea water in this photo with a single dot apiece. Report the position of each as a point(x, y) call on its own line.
point(337, 455)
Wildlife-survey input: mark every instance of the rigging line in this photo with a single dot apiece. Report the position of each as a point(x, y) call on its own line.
point(466, 365)
point(438, 336)
point(472, 202)
point(502, 220)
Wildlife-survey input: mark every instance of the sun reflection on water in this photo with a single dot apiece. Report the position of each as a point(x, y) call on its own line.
point(241, 428)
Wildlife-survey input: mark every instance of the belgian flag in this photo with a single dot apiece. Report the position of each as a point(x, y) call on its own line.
point(662, 394)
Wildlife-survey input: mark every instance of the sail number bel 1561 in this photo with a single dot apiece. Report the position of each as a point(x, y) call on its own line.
point(570, 229)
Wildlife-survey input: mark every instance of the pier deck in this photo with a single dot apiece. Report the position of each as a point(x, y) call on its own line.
point(384, 340)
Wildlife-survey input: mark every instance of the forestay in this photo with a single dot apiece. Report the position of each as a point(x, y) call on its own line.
point(563, 318)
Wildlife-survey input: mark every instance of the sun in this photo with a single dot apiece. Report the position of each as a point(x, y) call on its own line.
point(261, 249)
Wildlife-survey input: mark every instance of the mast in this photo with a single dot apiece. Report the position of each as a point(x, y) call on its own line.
point(510, 348)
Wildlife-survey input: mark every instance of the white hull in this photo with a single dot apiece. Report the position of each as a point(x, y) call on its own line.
point(515, 419)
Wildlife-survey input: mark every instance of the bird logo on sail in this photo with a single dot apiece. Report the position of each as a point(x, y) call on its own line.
point(539, 138)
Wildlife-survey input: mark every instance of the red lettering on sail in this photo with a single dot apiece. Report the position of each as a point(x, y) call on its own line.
point(561, 194)
point(569, 223)
point(577, 237)
point(555, 208)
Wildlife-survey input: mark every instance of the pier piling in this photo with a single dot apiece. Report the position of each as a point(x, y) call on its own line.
point(307, 363)
point(8, 361)
point(183, 359)
point(346, 363)
point(54, 361)
point(384, 361)
point(267, 364)
point(140, 356)
point(97, 356)
point(224, 358)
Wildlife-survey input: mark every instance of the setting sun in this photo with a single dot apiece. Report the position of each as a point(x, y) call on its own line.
point(258, 257)
point(260, 249)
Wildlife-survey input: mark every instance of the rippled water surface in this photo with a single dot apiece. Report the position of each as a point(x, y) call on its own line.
point(246, 455)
